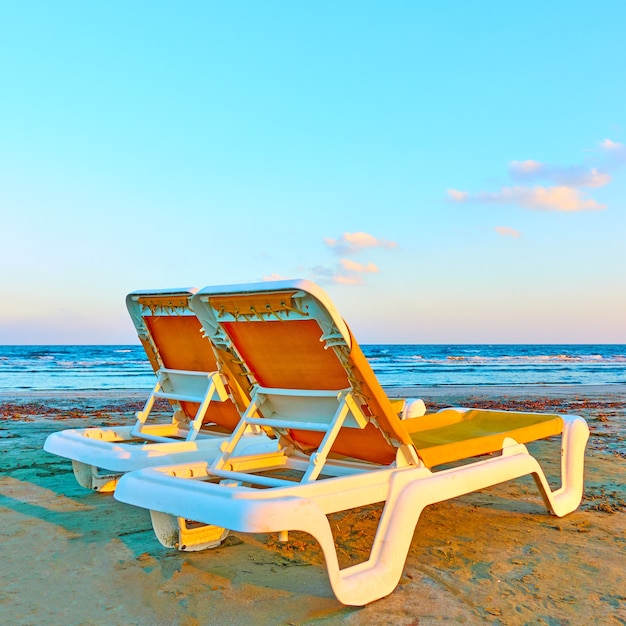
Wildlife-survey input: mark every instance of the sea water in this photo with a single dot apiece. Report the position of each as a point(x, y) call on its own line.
point(81, 368)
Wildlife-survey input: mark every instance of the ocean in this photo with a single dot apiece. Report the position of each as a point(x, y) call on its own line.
point(82, 368)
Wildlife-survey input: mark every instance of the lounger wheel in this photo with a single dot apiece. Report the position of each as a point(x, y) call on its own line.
point(89, 477)
point(184, 535)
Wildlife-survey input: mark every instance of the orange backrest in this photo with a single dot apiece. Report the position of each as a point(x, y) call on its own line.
point(172, 338)
point(287, 354)
point(286, 349)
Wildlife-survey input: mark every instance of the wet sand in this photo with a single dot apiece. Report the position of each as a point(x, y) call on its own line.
point(70, 556)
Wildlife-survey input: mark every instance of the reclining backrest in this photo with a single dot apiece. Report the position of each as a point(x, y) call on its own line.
point(171, 335)
point(287, 335)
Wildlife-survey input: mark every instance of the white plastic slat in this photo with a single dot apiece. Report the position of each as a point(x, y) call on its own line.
point(287, 423)
point(178, 396)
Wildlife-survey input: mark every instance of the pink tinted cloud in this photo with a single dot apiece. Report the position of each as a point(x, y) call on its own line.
point(506, 231)
point(351, 273)
point(347, 279)
point(561, 198)
point(457, 196)
point(525, 168)
point(347, 272)
point(352, 243)
point(609, 144)
point(562, 186)
point(572, 176)
point(614, 152)
point(360, 268)
point(557, 198)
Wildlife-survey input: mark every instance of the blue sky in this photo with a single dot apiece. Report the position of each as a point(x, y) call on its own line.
point(450, 173)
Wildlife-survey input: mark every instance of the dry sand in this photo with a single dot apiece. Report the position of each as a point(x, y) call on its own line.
point(70, 556)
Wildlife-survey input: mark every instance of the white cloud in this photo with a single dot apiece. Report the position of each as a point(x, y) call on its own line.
point(347, 272)
point(608, 144)
point(559, 187)
point(457, 196)
point(361, 268)
point(506, 231)
point(615, 153)
point(351, 273)
point(571, 176)
point(351, 243)
point(560, 198)
point(525, 167)
point(595, 178)
point(342, 279)
point(336, 275)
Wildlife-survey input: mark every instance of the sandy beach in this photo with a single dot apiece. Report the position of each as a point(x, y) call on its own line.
point(70, 556)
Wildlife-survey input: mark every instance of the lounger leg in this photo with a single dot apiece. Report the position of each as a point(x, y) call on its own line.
point(379, 575)
point(176, 532)
point(88, 476)
point(567, 498)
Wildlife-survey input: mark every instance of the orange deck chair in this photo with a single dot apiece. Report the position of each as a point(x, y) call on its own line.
point(205, 404)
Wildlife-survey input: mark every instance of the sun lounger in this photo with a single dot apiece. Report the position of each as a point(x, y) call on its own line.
point(342, 444)
point(201, 400)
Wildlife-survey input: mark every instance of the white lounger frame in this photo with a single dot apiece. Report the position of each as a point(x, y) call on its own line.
point(229, 494)
point(101, 455)
point(407, 488)
point(291, 408)
point(201, 388)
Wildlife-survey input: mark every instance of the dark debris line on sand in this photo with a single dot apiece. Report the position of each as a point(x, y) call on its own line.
point(71, 409)
point(604, 417)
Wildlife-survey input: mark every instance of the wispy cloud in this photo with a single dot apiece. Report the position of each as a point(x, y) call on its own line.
point(457, 196)
point(358, 268)
point(609, 144)
point(574, 176)
point(347, 271)
point(562, 198)
point(565, 199)
point(549, 187)
point(352, 243)
point(507, 231)
point(525, 168)
point(614, 152)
